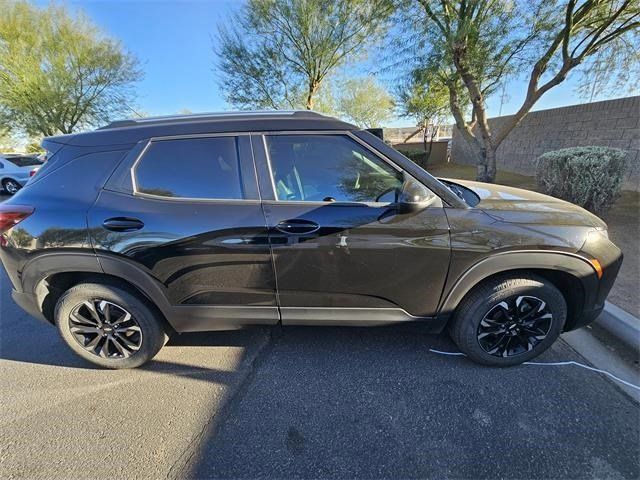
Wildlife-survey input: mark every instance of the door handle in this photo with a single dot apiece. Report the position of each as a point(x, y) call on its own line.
point(297, 226)
point(122, 224)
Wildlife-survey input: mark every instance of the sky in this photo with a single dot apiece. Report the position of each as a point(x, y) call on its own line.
point(174, 41)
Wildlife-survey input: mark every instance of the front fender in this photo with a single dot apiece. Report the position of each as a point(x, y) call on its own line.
point(573, 264)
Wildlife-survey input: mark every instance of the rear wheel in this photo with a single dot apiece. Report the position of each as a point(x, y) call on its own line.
point(507, 320)
point(10, 186)
point(108, 326)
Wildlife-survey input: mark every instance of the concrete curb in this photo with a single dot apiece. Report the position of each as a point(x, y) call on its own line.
point(621, 324)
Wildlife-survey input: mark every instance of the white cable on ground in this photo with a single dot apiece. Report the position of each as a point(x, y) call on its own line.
point(446, 353)
point(571, 362)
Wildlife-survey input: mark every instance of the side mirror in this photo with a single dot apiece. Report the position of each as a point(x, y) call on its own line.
point(414, 196)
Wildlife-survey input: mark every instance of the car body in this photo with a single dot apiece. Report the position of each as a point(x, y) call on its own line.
point(219, 221)
point(16, 170)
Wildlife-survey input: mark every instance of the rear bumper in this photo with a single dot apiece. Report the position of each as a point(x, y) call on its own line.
point(29, 303)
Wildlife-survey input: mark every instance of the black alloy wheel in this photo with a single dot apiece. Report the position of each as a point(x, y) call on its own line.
point(105, 329)
point(514, 326)
point(506, 320)
point(110, 326)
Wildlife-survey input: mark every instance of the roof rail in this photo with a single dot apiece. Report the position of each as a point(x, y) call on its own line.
point(248, 114)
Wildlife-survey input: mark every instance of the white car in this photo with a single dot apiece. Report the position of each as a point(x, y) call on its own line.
point(16, 170)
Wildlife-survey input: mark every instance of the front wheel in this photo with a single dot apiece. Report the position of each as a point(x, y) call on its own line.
point(508, 320)
point(108, 326)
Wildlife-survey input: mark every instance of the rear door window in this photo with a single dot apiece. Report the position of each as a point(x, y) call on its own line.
point(196, 168)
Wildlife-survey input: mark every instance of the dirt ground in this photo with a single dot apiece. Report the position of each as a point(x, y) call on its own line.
point(624, 230)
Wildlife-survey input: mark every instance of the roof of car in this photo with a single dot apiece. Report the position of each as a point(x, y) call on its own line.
point(133, 130)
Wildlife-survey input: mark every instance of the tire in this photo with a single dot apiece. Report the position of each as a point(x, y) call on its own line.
point(10, 186)
point(504, 321)
point(129, 342)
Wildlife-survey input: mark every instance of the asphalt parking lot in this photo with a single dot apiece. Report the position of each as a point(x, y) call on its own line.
point(304, 403)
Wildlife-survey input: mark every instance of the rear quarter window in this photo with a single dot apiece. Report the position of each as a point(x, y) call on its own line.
point(77, 179)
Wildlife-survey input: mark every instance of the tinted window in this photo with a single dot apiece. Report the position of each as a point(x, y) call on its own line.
point(329, 167)
point(25, 161)
point(191, 168)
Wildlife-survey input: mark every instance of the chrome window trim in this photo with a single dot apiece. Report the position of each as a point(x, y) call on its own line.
point(268, 157)
point(186, 136)
point(346, 133)
point(151, 140)
point(321, 203)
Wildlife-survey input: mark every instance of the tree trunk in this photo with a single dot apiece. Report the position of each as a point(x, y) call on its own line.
point(424, 144)
point(486, 165)
point(432, 135)
point(418, 130)
point(314, 85)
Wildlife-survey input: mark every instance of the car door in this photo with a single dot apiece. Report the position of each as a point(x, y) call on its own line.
point(343, 252)
point(187, 212)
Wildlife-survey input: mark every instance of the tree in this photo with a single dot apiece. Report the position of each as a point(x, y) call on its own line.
point(8, 142)
point(365, 102)
point(611, 71)
point(33, 147)
point(425, 98)
point(474, 44)
point(279, 52)
point(59, 73)
point(326, 100)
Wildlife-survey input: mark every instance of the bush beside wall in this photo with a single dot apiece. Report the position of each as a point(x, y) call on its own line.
point(591, 177)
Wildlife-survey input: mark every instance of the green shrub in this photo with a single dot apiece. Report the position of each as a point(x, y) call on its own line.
point(587, 176)
point(415, 156)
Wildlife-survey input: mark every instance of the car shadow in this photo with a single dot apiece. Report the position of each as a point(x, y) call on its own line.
point(25, 339)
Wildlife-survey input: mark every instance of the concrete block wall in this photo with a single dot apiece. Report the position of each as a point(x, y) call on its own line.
point(612, 123)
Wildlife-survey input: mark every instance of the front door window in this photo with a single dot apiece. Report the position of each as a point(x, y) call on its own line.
point(329, 168)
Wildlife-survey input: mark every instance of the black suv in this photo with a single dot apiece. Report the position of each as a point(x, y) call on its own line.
point(146, 228)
